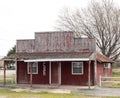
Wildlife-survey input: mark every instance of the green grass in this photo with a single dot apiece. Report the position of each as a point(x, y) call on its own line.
point(111, 85)
point(7, 93)
point(11, 81)
point(116, 72)
point(13, 94)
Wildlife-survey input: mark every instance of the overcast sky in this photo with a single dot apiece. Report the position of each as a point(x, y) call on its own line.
point(19, 19)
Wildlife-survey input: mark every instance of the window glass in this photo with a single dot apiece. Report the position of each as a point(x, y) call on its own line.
point(34, 68)
point(77, 67)
point(107, 65)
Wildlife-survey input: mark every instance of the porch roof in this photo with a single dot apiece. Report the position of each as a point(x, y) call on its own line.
point(54, 56)
point(103, 58)
point(58, 59)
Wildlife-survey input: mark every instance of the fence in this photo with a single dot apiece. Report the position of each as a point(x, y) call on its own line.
point(10, 77)
point(109, 80)
point(8, 80)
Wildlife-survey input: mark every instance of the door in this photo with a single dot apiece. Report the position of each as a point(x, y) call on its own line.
point(54, 73)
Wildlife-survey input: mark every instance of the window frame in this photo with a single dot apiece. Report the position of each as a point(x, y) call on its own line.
point(107, 65)
point(28, 67)
point(81, 73)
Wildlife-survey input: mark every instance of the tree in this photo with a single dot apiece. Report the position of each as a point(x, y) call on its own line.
point(11, 51)
point(100, 20)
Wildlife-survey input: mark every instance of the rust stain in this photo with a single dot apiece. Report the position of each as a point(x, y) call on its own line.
point(56, 42)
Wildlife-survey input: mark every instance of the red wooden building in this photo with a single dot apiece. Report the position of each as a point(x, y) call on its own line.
point(59, 58)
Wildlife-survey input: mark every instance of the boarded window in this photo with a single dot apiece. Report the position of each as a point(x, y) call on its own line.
point(34, 68)
point(77, 68)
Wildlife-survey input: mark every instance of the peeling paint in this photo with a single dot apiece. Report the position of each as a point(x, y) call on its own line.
point(56, 42)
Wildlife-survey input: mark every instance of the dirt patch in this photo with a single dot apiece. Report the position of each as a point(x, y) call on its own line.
point(100, 91)
point(42, 90)
point(3, 96)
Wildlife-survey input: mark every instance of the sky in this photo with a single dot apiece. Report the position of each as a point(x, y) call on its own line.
point(19, 19)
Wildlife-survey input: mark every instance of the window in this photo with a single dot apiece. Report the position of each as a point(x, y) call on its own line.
point(34, 68)
point(77, 68)
point(107, 65)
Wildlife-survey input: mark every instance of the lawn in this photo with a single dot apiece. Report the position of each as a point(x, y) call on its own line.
point(7, 93)
point(115, 73)
point(9, 79)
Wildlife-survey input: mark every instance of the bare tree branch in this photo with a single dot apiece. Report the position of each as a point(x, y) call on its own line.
point(100, 20)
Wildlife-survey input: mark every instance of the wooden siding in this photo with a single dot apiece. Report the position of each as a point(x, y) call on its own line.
point(53, 42)
point(54, 73)
point(66, 74)
point(101, 71)
point(24, 78)
point(26, 46)
point(56, 42)
point(68, 79)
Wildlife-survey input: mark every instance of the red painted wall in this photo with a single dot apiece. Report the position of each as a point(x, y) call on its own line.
point(66, 74)
point(54, 73)
point(101, 71)
point(23, 77)
point(68, 79)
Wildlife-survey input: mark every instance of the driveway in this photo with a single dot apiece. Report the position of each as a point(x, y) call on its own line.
point(100, 91)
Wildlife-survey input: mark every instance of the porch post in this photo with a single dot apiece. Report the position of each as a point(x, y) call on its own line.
point(89, 74)
point(16, 80)
point(59, 73)
point(49, 72)
point(4, 73)
point(95, 66)
point(30, 74)
point(95, 71)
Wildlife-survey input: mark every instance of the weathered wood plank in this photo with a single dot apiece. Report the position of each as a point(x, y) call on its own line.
point(56, 42)
point(25, 46)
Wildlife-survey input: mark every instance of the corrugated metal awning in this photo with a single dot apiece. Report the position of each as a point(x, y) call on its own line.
point(58, 59)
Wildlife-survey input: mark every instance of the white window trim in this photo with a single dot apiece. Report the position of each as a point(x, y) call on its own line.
point(28, 68)
point(77, 73)
point(108, 65)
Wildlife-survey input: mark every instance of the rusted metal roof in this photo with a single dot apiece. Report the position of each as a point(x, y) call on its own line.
point(10, 57)
point(54, 55)
point(58, 55)
point(103, 58)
